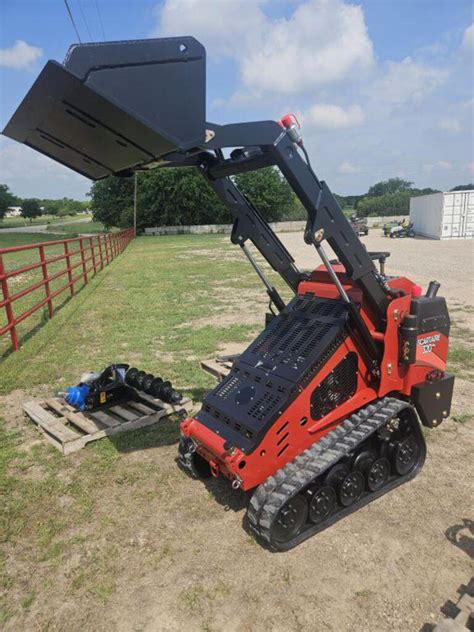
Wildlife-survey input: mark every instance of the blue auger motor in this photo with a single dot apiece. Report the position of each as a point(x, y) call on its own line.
point(76, 396)
point(100, 389)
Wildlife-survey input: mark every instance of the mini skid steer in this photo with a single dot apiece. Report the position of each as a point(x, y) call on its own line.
point(321, 414)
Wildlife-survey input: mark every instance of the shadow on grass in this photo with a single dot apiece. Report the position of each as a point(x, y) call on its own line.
point(222, 492)
point(44, 320)
point(57, 308)
point(164, 432)
point(197, 394)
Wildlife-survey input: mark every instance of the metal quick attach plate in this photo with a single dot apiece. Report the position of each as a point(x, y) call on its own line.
point(117, 105)
point(266, 377)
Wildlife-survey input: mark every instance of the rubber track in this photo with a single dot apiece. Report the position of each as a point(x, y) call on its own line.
point(272, 494)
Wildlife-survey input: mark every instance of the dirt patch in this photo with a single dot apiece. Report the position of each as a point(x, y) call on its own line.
point(11, 409)
point(232, 348)
point(224, 319)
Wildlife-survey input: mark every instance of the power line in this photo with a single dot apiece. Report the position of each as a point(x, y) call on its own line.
point(100, 19)
point(72, 20)
point(85, 20)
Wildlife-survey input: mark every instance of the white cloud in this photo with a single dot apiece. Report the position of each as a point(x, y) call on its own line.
point(21, 55)
point(467, 44)
point(31, 174)
point(218, 103)
point(407, 81)
point(223, 27)
point(321, 42)
point(444, 164)
point(451, 125)
point(329, 116)
point(441, 165)
point(347, 168)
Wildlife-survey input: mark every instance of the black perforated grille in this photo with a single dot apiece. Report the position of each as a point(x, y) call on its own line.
point(293, 338)
point(336, 388)
point(264, 405)
point(271, 372)
point(227, 387)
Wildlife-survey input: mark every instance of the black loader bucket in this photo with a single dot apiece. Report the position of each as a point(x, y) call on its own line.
point(115, 106)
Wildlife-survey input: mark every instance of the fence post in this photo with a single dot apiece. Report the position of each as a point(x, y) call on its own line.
point(46, 282)
point(83, 260)
point(8, 306)
point(68, 267)
point(99, 243)
point(93, 256)
point(106, 250)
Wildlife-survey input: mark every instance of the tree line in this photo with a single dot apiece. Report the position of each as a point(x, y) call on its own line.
point(170, 197)
point(35, 207)
point(182, 197)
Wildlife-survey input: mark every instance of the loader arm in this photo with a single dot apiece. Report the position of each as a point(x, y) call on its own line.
point(117, 107)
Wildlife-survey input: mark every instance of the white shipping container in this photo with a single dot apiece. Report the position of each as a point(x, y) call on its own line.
point(447, 215)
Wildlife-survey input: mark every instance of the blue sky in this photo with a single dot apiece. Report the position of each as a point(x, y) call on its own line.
point(383, 87)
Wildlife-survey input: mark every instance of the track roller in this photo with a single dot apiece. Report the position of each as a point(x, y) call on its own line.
point(291, 518)
point(322, 503)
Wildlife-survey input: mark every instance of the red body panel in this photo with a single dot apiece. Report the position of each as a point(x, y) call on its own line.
point(294, 430)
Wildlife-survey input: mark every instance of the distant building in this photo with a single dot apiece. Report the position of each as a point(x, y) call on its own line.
point(447, 215)
point(13, 211)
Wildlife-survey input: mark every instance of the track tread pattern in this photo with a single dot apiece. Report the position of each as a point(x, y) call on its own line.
point(272, 494)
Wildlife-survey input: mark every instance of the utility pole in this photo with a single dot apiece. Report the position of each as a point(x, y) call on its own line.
point(135, 202)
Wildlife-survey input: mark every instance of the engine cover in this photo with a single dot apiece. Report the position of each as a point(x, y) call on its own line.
point(272, 371)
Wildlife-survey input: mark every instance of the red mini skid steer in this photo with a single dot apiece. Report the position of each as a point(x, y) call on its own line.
point(320, 415)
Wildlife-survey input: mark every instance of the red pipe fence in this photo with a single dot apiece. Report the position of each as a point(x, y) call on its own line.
point(79, 260)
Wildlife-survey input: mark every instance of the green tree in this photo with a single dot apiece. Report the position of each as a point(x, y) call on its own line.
point(165, 197)
point(7, 199)
point(269, 192)
point(110, 198)
point(170, 197)
point(50, 207)
point(463, 187)
point(71, 207)
point(387, 204)
point(392, 185)
point(30, 208)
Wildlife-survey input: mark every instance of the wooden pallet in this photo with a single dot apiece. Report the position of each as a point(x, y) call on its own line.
point(70, 430)
point(220, 367)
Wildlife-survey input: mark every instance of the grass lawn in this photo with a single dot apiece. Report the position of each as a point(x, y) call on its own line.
point(83, 227)
point(15, 222)
point(10, 240)
point(78, 532)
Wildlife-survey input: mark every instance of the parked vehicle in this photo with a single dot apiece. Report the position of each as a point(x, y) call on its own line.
point(402, 230)
point(387, 227)
point(359, 224)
